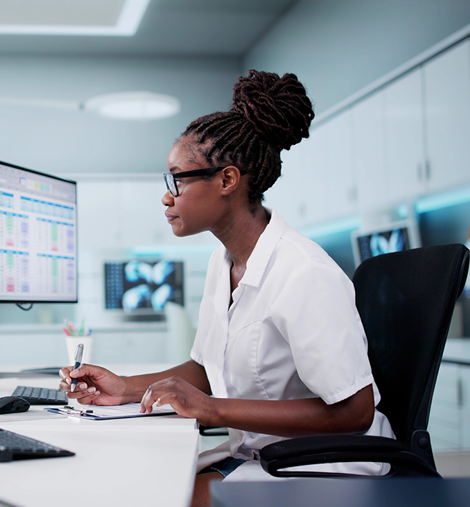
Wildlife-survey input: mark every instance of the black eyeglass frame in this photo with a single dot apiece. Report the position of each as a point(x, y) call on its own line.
point(206, 171)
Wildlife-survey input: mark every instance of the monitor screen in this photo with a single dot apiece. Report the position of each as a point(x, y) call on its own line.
point(38, 237)
point(393, 237)
point(143, 285)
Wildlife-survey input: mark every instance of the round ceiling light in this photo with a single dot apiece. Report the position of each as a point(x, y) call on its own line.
point(134, 105)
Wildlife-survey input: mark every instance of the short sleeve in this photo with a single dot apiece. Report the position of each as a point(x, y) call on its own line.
point(316, 314)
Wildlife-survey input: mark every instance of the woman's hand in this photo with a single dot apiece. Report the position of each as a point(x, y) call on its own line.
point(186, 400)
point(95, 385)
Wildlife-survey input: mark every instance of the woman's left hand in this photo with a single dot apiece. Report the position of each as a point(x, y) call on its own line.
point(185, 399)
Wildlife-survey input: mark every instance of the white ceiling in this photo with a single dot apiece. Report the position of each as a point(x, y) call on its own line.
point(169, 27)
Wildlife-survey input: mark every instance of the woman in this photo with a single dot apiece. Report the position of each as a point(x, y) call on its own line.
point(280, 350)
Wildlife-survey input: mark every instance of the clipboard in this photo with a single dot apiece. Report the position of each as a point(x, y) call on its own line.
point(105, 413)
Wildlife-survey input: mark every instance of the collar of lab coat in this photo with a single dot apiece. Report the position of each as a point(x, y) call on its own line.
point(263, 251)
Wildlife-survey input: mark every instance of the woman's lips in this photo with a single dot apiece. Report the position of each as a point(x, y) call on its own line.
point(170, 217)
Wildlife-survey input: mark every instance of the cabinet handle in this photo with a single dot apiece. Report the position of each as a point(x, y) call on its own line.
point(353, 193)
point(459, 393)
point(419, 171)
point(428, 169)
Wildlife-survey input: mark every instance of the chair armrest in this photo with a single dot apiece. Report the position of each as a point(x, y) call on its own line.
point(340, 448)
point(212, 431)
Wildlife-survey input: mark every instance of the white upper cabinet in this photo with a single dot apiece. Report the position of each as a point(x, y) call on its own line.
point(447, 117)
point(286, 196)
point(407, 139)
point(368, 152)
point(121, 214)
point(142, 219)
point(98, 208)
point(340, 185)
point(404, 139)
point(314, 180)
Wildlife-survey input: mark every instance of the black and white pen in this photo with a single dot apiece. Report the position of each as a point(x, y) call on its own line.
point(78, 362)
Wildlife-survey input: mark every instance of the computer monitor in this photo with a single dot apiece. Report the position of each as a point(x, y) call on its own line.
point(392, 237)
point(143, 286)
point(38, 237)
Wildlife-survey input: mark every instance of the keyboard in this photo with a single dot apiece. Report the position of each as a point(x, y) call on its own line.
point(14, 446)
point(41, 395)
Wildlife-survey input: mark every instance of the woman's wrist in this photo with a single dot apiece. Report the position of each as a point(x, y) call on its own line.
point(212, 415)
point(132, 391)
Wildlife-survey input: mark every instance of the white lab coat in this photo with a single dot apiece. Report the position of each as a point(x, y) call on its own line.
point(292, 332)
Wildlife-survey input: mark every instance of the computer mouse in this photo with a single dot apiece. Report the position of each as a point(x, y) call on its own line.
point(11, 404)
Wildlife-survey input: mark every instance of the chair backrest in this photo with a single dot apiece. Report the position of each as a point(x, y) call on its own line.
point(406, 301)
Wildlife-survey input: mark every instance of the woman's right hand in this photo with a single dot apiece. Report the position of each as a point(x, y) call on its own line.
point(95, 385)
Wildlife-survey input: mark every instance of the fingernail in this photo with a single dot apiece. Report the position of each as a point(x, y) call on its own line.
point(82, 386)
point(92, 389)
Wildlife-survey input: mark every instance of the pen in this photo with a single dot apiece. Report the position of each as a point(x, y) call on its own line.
point(78, 362)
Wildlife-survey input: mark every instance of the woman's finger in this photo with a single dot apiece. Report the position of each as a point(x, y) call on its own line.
point(86, 400)
point(64, 374)
point(82, 392)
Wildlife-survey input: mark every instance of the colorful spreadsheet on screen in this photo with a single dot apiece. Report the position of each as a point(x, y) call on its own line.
point(38, 251)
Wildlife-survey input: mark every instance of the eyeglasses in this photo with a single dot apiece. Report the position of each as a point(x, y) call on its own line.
point(171, 179)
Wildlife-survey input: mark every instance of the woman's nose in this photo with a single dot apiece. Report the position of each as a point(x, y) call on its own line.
point(167, 199)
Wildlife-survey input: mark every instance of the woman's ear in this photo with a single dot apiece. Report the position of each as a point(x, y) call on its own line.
point(230, 179)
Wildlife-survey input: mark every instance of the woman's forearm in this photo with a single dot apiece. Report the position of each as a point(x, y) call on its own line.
point(295, 418)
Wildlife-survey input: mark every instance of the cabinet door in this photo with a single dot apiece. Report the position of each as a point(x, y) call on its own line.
point(368, 152)
point(314, 180)
point(404, 148)
point(465, 401)
point(98, 214)
point(340, 182)
point(447, 109)
point(286, 196)
point(142, 219)
point(444, 420)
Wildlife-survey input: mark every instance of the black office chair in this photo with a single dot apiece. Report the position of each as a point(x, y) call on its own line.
point(405, 301)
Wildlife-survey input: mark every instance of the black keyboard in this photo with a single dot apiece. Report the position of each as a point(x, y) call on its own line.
point(14, 446)
point(41, 395)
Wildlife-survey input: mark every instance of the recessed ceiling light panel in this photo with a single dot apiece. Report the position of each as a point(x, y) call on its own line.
point(134, 105)
point(73, 17)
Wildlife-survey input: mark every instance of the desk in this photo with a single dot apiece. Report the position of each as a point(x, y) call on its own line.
point(409, 492)
point(118, 462)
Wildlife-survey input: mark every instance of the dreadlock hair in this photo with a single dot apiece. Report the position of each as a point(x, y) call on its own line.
point(268, 114)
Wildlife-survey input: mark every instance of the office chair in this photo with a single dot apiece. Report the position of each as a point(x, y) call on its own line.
point(405, 301)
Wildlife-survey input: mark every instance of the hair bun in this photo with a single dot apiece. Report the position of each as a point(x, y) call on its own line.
point(277, 107)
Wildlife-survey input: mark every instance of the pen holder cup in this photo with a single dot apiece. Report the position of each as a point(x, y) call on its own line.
point(72, 343)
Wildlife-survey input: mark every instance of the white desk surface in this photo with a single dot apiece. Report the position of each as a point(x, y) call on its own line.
point(117, 462)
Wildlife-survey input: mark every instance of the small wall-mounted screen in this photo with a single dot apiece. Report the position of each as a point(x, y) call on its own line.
point(143, 285)
point(393, 237)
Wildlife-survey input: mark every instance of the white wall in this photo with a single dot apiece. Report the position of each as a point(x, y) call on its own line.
point(338, 47)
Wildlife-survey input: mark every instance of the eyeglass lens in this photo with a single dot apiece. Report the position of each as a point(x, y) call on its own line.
point(171, 184)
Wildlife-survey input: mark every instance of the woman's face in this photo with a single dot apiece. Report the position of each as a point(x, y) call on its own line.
point(197, 207)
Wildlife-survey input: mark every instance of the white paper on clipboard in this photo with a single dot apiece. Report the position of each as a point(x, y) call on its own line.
point(97, 412)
